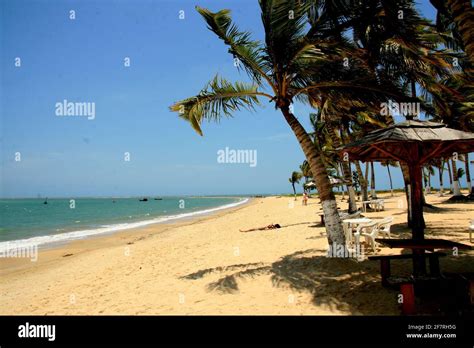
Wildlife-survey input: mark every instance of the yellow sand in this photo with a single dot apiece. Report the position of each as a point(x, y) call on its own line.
point(207, 266)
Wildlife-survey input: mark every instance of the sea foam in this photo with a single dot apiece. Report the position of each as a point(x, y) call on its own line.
point(81, 234)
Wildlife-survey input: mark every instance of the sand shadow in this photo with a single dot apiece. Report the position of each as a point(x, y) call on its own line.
point(342, 284)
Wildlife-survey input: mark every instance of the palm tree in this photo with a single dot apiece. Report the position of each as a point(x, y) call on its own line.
point(461, 13)
point(428, 171)
point(306, 172)
point(291, 65)
point(388, 164)
point(450, 174)
point(456, 187)
point(362, 181)
point(295, 179)
point(461, 173)
point(373, 194)
point(468, 174)
point(439, 164)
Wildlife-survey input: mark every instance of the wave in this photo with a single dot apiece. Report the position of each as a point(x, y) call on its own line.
point(81, 234)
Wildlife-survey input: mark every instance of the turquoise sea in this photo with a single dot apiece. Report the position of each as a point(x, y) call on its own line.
point(30, 221)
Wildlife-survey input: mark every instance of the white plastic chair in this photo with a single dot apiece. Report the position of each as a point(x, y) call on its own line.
point(369, 231)
point(384, 226)
point(378, 204)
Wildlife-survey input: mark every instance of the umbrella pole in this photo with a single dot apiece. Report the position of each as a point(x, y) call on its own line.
point(416, 183)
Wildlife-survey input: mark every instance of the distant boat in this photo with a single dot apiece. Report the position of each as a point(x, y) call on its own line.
point(158, 199)
point(144, 200)
point(45, 201)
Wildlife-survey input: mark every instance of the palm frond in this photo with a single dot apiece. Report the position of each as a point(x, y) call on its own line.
point(241, 46)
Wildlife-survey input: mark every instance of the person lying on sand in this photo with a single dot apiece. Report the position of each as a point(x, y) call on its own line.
point(269, 227)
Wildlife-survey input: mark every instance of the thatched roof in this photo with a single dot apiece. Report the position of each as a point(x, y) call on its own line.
point(430, 140)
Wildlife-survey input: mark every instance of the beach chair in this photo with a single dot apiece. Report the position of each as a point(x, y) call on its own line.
point(384, 226)
point(378, 204)
point(369, 231)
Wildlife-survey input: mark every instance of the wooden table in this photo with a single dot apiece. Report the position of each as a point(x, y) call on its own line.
point(419, 247)
point(424, 244)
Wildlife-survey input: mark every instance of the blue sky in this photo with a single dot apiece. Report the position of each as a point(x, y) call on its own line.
point(82, 60)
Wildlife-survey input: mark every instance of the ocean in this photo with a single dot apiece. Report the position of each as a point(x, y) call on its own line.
point(26, 222)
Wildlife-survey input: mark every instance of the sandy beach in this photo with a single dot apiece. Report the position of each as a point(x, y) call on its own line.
point(206, 266)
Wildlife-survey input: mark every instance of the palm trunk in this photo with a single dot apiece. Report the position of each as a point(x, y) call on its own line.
point(406, 180)
point(440, 172)
point(456, 188)
point(468, 173)
point(340, 188)
point(450, 177)
point(367, 167)
point(429, 181)
point(294, 190)
point(333, 223)
point(346, 169)
point(373, 194)
point(390, 178)
point(425, 180)
point(463, 16)
point(363, 182)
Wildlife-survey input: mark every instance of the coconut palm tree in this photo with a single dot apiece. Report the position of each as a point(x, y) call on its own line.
point(468, 174)
point(291, 65)
point(295, 179)
point(456, 187)
point(428, 171)
point(373, 194)
point(450, 175)
point(461, 173)
point(461, 14)
point(306, 172)
point(388, 164)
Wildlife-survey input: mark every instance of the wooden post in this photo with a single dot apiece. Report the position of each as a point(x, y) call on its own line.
point(385, 271)
point(408, 293)
point(416, 190)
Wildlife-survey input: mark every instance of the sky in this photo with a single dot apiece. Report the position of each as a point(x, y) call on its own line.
point(133, 145)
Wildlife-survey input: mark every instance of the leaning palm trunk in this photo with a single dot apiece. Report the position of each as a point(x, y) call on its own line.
point(456, 187)
point(321, 178)
point(429, 181)
point(440, 172)
point(450, 177)
point(346, 170)
point(468, 174)
point(373, 194)
point(426, 179)
point(363, 182)
point(390, 178)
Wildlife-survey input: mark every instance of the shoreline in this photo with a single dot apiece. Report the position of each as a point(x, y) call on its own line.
point(56, 251)
point(57, 239)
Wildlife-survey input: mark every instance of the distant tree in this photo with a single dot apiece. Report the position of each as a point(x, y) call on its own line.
point(294, 179)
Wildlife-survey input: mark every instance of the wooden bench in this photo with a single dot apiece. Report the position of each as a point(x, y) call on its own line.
point(385, 271)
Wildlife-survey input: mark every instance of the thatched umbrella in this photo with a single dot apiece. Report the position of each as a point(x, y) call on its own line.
point(414, 142)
